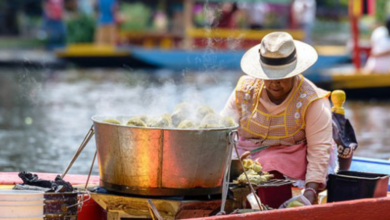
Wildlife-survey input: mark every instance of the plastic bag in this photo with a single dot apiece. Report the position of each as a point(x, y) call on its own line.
point(301, 198)
point(252, 201)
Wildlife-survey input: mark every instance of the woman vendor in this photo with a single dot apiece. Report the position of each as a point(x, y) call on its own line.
point(278, 107)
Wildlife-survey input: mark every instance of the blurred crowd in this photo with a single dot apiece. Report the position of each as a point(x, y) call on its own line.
point(58, 22)
point(76, 21)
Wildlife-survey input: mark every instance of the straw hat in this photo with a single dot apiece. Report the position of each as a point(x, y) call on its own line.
point(278, 56)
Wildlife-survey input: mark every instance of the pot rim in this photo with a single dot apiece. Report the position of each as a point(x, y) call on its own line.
point(95, 120)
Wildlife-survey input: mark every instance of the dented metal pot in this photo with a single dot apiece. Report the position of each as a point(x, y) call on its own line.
point(161, 162)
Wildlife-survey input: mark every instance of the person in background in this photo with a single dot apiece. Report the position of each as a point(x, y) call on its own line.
point(54, 25)
point(285, 121)
point(257, 13)
point(178, 20)
point(106, 33)
point(160, 20)
point(304, 15)
point(227, 18)
point(378, 61)
point(86, 7)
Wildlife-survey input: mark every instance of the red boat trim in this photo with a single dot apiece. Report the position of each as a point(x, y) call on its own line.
point(12, 178)
point(361, 209)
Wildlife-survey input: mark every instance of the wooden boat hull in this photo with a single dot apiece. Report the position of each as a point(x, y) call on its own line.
point(356, 84)
point(90, 55)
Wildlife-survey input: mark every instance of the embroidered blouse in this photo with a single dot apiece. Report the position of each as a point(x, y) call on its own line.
point(318, 130)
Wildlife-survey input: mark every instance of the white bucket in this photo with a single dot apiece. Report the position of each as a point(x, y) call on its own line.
point(21, 211)
point(20, 195)
point(27, 218)
point(25, 204)
point(19, 203)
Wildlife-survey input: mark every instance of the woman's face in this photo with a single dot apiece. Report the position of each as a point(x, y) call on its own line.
point(279, 89)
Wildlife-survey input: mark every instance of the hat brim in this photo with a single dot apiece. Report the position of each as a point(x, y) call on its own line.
point(251, 65)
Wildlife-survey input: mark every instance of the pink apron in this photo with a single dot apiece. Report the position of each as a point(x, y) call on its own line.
point(289, 160)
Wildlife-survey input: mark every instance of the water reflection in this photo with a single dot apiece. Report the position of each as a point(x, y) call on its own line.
point(45, 114)
point(371, 120)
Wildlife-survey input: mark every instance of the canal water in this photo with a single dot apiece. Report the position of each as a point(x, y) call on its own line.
point(45, 114)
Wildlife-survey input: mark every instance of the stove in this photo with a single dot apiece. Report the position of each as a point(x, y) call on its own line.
point(120, 206)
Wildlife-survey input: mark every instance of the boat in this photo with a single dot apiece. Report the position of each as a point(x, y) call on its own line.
point(370, 208)
point(197, 48)
point(357, 84)
point(351, 78)
point(209, 60)
point(90, 55)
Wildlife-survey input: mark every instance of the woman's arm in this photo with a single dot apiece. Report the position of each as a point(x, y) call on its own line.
point(230, 108)
point(319, 145)
point(381, 54)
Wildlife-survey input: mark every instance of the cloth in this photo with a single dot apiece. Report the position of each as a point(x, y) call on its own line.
point(56, 33)
point(58, 185)
point(380, 40)
point(293, 157)
point(380, 43)
point(257, 12)
point(85, 6)
point(285, 128)
point(53, 9)
point(106, 11)
point(304, 11)
point(344, 136)
point(318, 129)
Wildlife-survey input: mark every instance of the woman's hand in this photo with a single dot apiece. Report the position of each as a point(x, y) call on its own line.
point(245, 155)
point(310, 194)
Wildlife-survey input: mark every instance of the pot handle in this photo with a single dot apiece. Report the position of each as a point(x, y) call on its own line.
point(234, 137)
point(87, 137)
point(81, 201)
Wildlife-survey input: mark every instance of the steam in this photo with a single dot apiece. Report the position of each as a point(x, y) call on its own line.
point(158, 98)
point(208, 60)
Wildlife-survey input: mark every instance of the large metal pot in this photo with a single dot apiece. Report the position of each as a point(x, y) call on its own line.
point(161, 162)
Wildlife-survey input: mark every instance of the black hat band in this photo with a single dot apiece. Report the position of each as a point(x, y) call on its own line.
point(279, 61)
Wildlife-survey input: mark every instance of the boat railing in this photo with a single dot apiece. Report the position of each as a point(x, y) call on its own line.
point(221, 38)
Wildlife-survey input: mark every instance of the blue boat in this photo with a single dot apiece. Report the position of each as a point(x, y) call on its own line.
point(208, 59)
point(178, 59)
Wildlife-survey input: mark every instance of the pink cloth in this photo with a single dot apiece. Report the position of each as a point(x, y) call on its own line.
point(289, 160)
